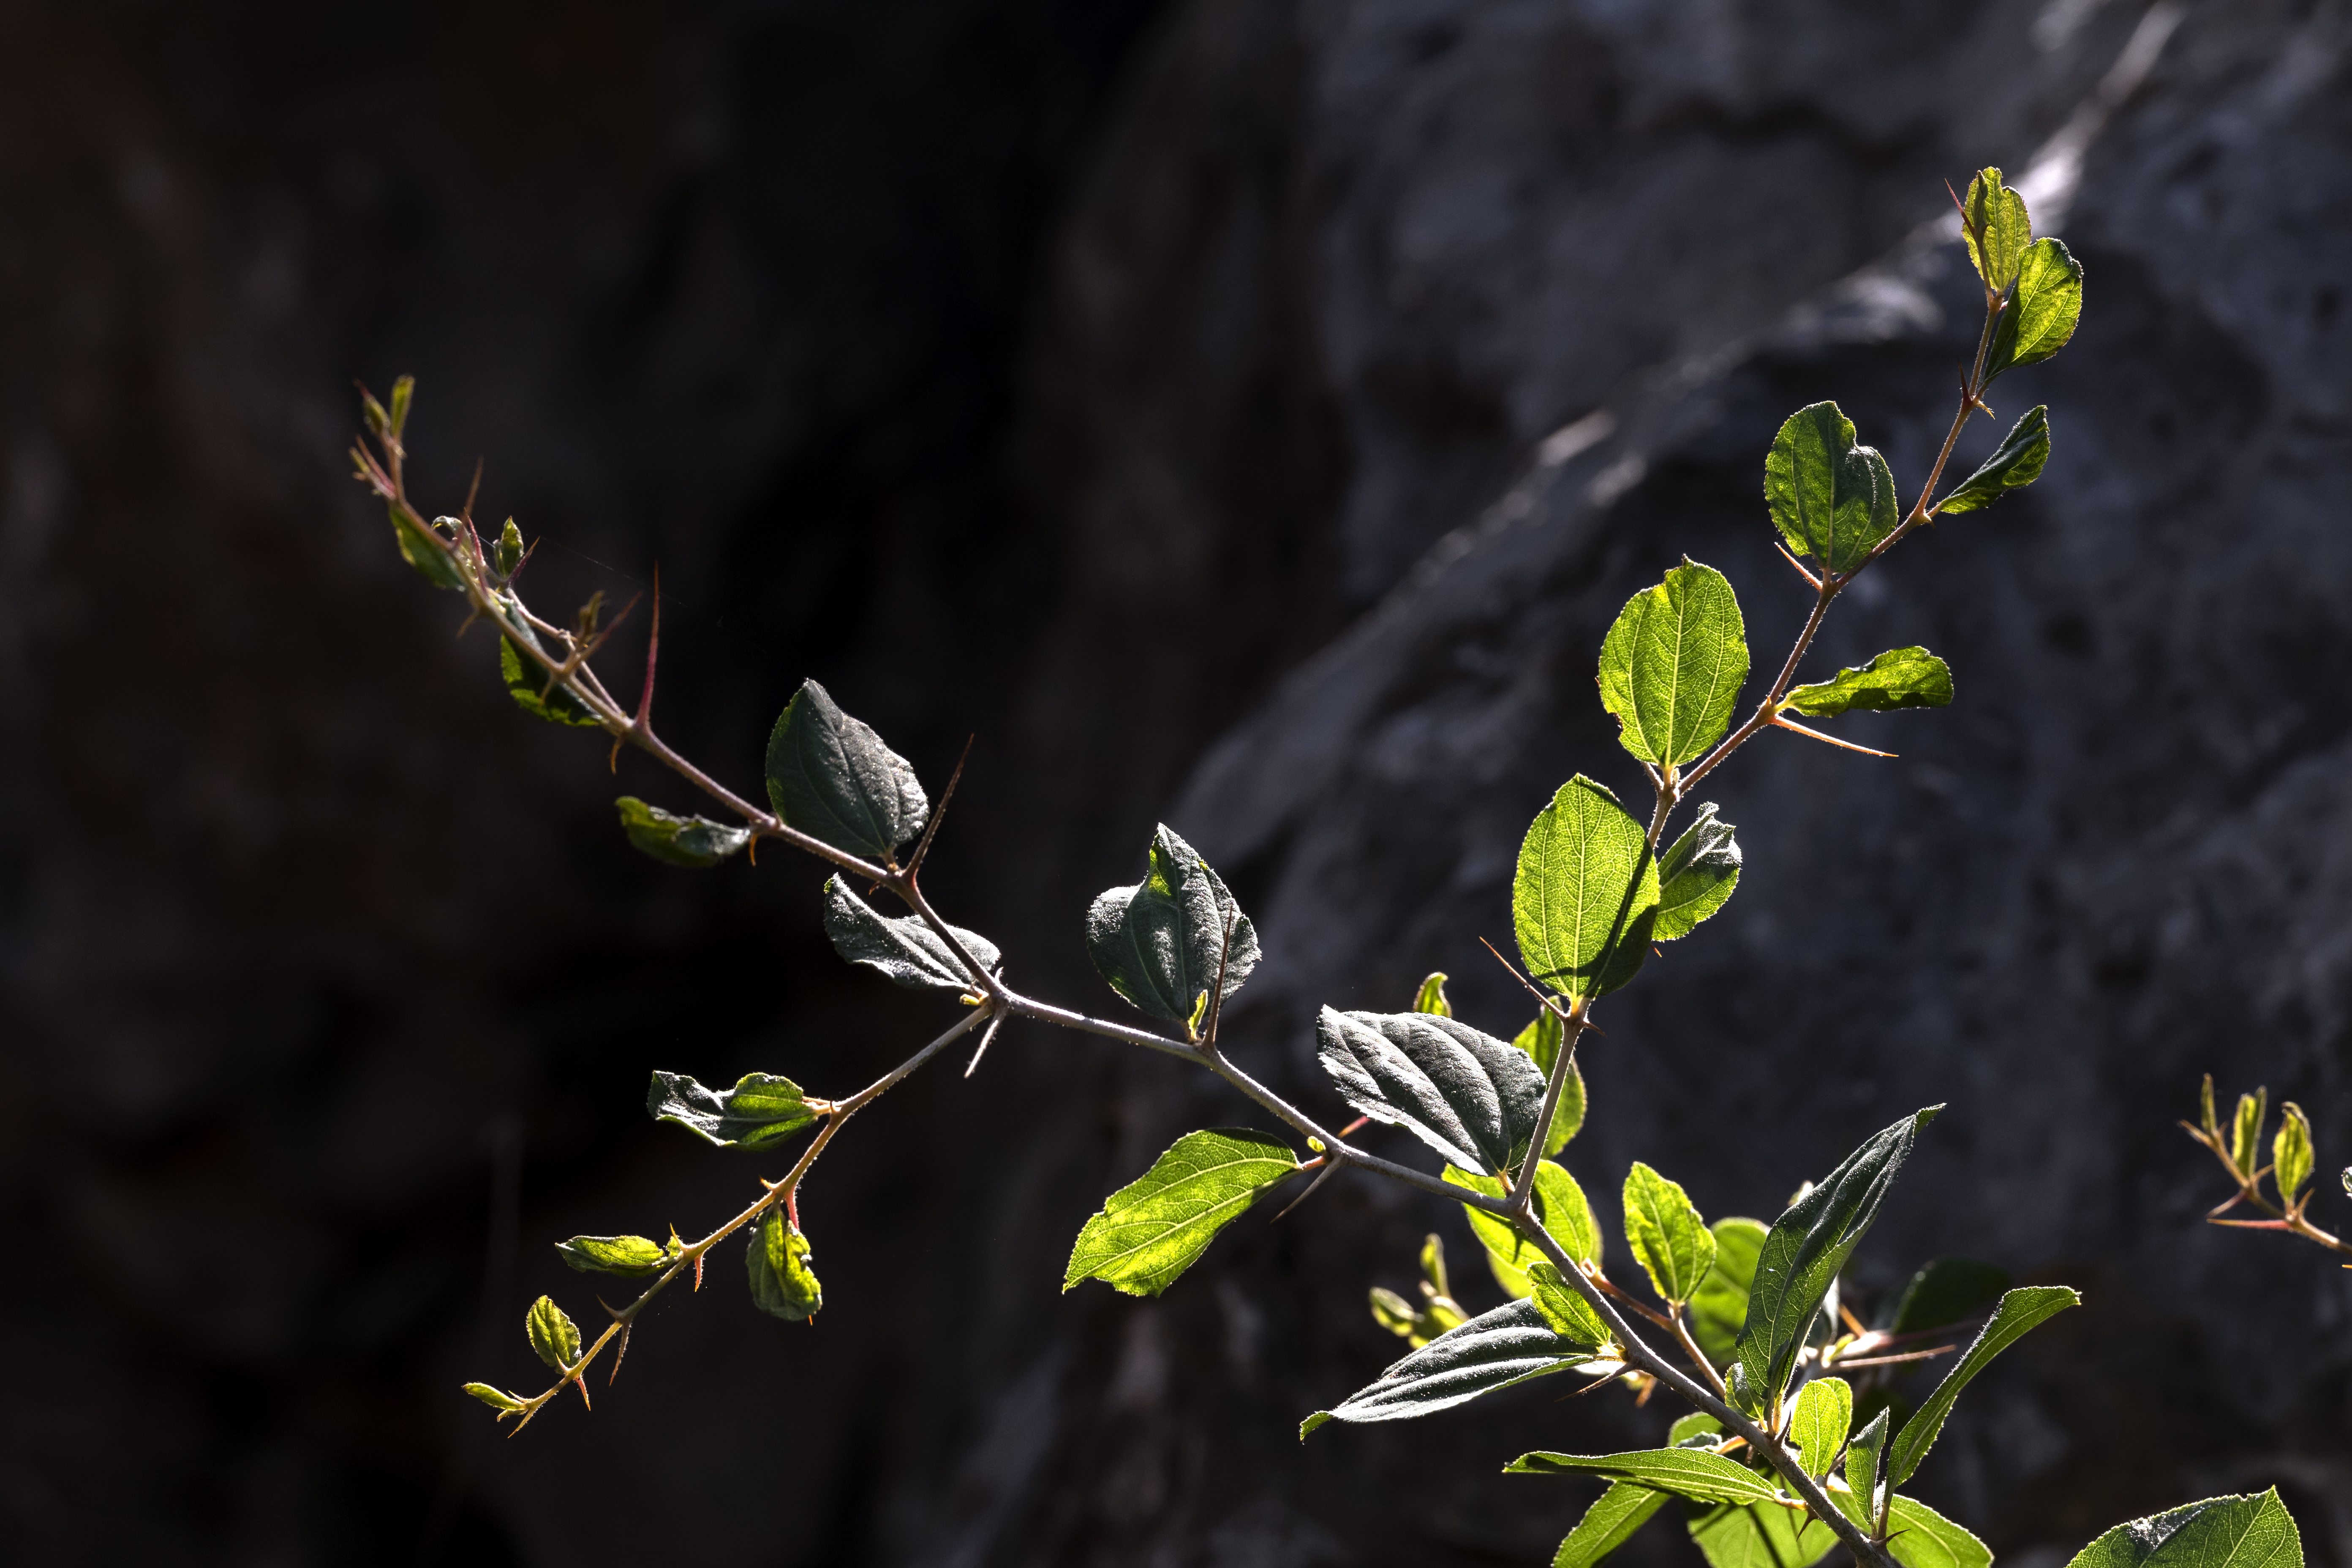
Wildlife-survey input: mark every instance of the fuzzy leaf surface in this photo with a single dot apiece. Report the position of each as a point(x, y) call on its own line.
point(1560, 1208)
point(1669, 1239)
point(1831, 498)
point(2042, 312)
point(1995, 227)
point(1152, 1230)
point(426, 552)
point(1585, 896)
point(1919, 1537)
point(553, 1337)
point(1866, 1462)
point(829, 776)
point(1692, 1473)
point(2250, 1532)
point(1469, 1096)
point(2291, 1153)
point(635, 1255)
point(1158, 943)
point(1823, 1416)
point(903, 950)
point(1673, 663)
point(783, 1285)
point(497, 1399)
point(1899, 678)
point(759, 1110)
point(1608, 1524)
point(535, 691)
point(1806, 1249)
point(1493, 1350)
point(2019, 1311)
point(1762, 1535)
point(1563, 1306)
point(696, 843)
point(2014, 464)
point(1696, 875)
point(1718, 1310)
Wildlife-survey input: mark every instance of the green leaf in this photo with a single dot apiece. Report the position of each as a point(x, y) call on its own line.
point(1823, 1416)
point(1919, 1537)
point(1696, 875)
point(1563, 1306)
point(1159, 943)
point(1467, 1095)
point(1718, 1309)
point(829, 776)
point(1669, 1239)
point(508, 552)
point(1560, 1209)
point(1899, 678)
point(2246, 1130)
point(1493, 1350)
point(1763, 1535)
point(903, 950)
point(1948, 1290)
point(2020, 1311)
point(782, 1283)
point(695, 842)
point(1692, 1473)
point(1608, 1524)
point(1153, 1229)
point(1996, 229)
point(505, 1403)
point(2290, 1155)
point(1541, 1040)
point(433, 557)
point(1431, 997)
point(1687, 1430)
point(2254, 1531)
point(615, 1254)
point(535, 690)
point(1831, 499)
point(1586, 894)
point(552, 1333)
point(2042, 310)
point(404, 391)
point(1672, 666)
point(1866, 1466)
point(1806, 1249)
point(759, 1111)
point(2014, 464)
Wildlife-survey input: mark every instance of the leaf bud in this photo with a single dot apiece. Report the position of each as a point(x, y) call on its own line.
point(2205, 1105)
point(1431, 997)
point(507, 554)
point(503, 1402)
point(2246, 1131)
point(2290, 1155)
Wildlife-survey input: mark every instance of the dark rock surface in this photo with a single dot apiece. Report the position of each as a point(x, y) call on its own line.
point(1114, 364)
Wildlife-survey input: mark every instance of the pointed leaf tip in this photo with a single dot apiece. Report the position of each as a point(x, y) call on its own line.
point(1154, 1228)
point(1160, 943)
point(829, 776)
point(1584, 898)
point(1832, 499)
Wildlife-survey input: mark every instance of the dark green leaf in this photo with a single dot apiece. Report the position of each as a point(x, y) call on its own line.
point(761, 1111)
point(1866, 1465)
point(2014, 464)
point(535, 689)
point(615, 1254)
point(1669, 1239)
point(1807, 1248)
point(1560, 1209)
point(1541, 1040)
point(2020, 1311)
point(1996, 229)
point(1586, 893)
point(1762, 1535)
point(695, 842)
point(1493, 1350)
point(433, 557)
point(1467, 1095)
point(1696, 875)
point(1431, 997)
point(1153, 1229)
point(1563, 1306)
point(782, 1283)
point(1899, 678)
point(1831, 499)
point(2290, 1155)
point(2043, 311)
point(503, 1402)
point(1672, 666)
point(552, 1335)
point(1608, 1524)
point(1692, 1473)
point(829, 776)
point(905, 950)
point(1159, 942)
point(1948, 1290)
point(2254, 1531)
point(1719, 1309)
point(1823, 1416)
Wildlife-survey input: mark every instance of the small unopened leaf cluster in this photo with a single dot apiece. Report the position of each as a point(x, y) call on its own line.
point(1802, 1433)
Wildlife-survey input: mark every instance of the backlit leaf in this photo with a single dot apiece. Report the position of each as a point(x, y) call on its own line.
point(1829, 498)
point(1899, 678)
point(696, 843)
point(1586, 893)
point(2014, 464)
point(1153, 1229)
point(552, 1335)
point(1996, 229)
point(1669, 1239)
point(761, 1109)
point(1560, 1208)
point(2044, 311)
point(1761, 1535)
point(1673, 663)
point(782, 1283)
point(2252, 1531)
point(1823, 1416)
point(829, 776)
point(903, 949)
point(1493, 1350)
point(1919, 1537)
point(1431, 997)
point(535, 690)
point(1159, 943)
point(1696, 875)
point(615, 1254)
point(1718, 1308)
point(2246, 1131)
point(2291, 1156)
point(1865, 1463)
point(1563, 1306)
point(433, 557)
point(2020, 1311)
point(1692, 1473)
point(505, 1403)
point(1467, 1095)
point(1608, 1524)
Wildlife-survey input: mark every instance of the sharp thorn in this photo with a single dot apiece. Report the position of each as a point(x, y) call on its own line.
point(1826, 740)
point(985, 1036)
point(1309, 1193)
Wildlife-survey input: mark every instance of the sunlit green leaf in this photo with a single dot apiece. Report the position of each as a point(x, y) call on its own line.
point(553, 1336)
point(1760, 1535)
point(782, 1283)
point(2246, 1131)
point(1718, 1309)
point(1807, 1248)
point(615, 1254)
point(1159, 943)
point(1586, 892)
point(761, 1109)
point(829, 776)
point(433, 557)
point(2014, 464)
point(1692, 1473)
point(1493, 1350)
point(1899, 678)
point(1608, 1524)
point(1829, 498)
point(694, 842)
point(1673, 663)
point(1431, 997)
point(1467, 1095)
point(1823, 1416)
point(2252, 1531)
point(1153, 1229)
point(1919, 1537)
point(1996, 229)
point(1560, 1208)
point(903, 949)
point(1563, 1307)
point(1947, 1291)
point(2291, 1153)
point(2044, 311)
point(1696, 875)
point(1669, 1239)
point(535, 690)
point(1865, 1463)
point(508, 552)
point(2020, 1311)
point(505, 1403)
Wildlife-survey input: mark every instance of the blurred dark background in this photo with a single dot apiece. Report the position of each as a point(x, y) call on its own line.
point(1166, 394)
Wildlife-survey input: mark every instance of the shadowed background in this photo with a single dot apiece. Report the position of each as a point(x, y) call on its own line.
point(1238, 412)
